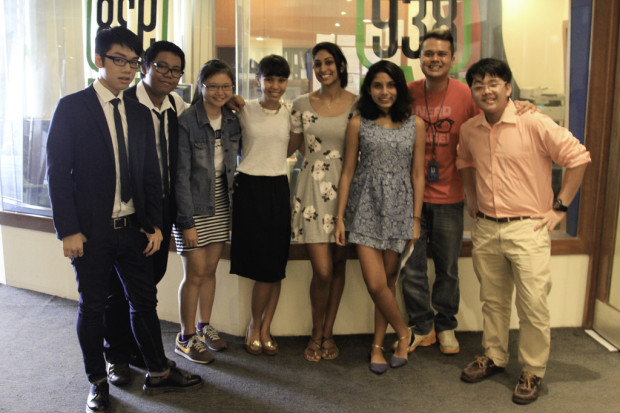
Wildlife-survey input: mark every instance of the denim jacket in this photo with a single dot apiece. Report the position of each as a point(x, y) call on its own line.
point(195, 184)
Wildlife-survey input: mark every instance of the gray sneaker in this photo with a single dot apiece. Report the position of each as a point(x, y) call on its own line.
point(211, 338)
point(193, 350)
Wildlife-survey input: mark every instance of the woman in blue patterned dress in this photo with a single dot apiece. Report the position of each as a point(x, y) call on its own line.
point(382, 194)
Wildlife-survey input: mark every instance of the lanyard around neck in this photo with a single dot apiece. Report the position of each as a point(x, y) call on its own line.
point(430, 120)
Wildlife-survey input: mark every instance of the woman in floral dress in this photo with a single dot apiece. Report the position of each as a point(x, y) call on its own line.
point(319, 121)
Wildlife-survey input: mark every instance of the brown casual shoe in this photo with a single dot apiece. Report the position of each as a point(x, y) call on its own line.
point(211, 338)
point(527, 388)
point(480, 369)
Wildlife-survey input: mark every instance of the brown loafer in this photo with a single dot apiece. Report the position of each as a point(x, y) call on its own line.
point(480, 369)
point(527, 388)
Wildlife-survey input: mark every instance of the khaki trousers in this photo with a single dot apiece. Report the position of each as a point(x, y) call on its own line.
point(507, 255)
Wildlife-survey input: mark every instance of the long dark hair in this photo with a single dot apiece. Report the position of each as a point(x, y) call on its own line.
point(339, 59)
point(212, 67)
point(401, 109)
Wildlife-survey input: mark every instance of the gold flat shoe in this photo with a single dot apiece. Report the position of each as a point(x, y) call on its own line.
point(270, 347)
point(255, 347)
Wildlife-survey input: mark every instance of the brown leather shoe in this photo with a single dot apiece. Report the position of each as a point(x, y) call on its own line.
point(527, 388)
point(480, 369)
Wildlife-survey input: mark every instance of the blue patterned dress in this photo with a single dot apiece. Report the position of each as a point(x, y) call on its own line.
point(379, 211)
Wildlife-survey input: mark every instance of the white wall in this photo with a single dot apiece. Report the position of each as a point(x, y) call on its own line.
point(33, 260)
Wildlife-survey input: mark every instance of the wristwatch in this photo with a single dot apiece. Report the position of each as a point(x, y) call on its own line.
point(559, 206)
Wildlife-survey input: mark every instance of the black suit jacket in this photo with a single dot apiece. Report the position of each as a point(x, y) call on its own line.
point(173, 149)
point(81, 169)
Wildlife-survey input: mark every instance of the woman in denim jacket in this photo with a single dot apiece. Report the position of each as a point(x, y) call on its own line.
point(209, 135)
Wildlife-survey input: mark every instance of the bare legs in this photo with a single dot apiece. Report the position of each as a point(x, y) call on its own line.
point(379, 269)
point(265, 298)
point(328, 270)
point(197, 290)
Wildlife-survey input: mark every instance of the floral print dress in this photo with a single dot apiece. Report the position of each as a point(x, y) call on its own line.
point(315, 200)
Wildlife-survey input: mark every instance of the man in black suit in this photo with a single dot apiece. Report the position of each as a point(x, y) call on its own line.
point(162, 67)
point(105, 191)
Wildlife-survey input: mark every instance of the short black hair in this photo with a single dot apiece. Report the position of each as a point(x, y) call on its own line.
point(109, 36)
point(441, 33)
point(489, 66)
point(339, 59)
point(212, 67)
point(273, 65)
point(401, 109)
point(151, 53)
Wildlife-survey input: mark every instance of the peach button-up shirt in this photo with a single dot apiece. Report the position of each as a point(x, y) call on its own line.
point(513, 161)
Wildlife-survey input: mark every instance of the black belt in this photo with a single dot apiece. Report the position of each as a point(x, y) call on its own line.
point(500, 220)
point(124, 222)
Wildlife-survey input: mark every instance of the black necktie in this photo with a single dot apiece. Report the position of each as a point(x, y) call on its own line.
point(163, 146)
point(122, 153)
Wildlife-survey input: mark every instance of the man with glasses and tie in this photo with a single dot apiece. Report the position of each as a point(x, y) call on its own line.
point(506, 162)
point(161, 69)
point(444, 104)
point(106, 194)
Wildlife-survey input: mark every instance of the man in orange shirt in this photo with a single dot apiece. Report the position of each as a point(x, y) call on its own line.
point(444, 104)
point(505, 162)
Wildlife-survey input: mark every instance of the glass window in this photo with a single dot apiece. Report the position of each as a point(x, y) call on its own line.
point(532, 36)
point(47, 53)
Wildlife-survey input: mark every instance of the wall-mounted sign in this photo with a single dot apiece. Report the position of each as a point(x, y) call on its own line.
point(147, 18)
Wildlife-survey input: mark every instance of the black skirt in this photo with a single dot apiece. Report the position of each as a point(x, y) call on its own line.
point(261, 227)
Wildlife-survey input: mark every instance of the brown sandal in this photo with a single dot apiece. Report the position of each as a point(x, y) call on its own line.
point(329, 352)
point(313, 350)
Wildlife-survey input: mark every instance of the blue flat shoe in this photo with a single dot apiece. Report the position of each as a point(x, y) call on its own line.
point(377, 368)
point(396, 362)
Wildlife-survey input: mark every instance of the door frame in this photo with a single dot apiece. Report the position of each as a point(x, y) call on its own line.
point(603, 131)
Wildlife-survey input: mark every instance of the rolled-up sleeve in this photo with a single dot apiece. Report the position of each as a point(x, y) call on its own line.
point(561, 145)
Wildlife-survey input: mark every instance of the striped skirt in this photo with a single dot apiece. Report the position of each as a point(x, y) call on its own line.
point(210, 229)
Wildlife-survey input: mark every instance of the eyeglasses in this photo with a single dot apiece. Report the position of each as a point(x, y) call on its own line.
point(440, 125)
point(214, 88)
point(163, 68)
point(121, 61)
point(493, 87)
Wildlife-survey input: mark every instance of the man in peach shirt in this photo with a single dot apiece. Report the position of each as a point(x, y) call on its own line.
point(505, 162)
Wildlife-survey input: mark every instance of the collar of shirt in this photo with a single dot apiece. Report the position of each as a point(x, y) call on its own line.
point(509, 116)
point(104, 95)
point(143, 97)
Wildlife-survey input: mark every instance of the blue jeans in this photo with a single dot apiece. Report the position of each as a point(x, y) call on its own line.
point(121, 250)
point(442, 226)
